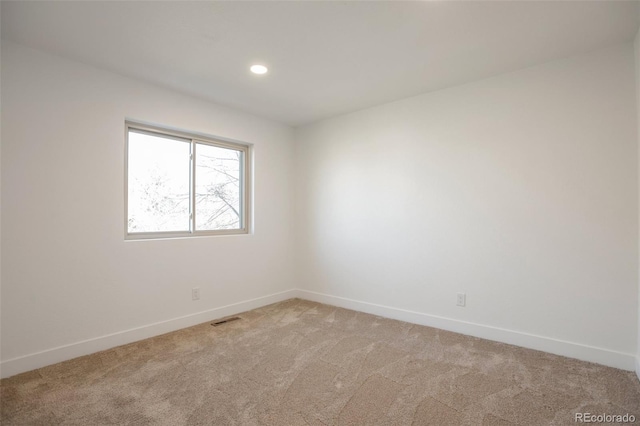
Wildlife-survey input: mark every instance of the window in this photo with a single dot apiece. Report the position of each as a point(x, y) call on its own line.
point(184, 185)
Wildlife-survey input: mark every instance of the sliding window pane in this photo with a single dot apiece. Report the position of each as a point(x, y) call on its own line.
point(158, 179)
point(218, 188)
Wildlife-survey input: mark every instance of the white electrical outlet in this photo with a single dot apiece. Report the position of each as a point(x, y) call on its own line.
point(462, 299)
point(195, 293)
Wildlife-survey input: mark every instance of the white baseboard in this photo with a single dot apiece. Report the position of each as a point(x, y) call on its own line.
point(30, 362)
point(559, 347)
point(573, 350)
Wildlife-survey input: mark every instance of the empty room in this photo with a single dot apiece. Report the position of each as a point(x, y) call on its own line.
point(319, 212)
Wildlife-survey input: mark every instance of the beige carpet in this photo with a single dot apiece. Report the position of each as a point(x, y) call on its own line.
point(303, 363)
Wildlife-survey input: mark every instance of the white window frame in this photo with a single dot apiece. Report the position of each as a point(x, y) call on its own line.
point(194, 138)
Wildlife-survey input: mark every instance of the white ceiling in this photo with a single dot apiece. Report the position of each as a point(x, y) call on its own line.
point(325, 58)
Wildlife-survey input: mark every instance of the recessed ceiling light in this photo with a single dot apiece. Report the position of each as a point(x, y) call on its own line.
point(259, 69)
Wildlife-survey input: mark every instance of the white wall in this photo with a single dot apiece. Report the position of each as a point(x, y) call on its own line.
point(68, 274)
point(0, 213)
point(637, 55)
point(520, 190)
